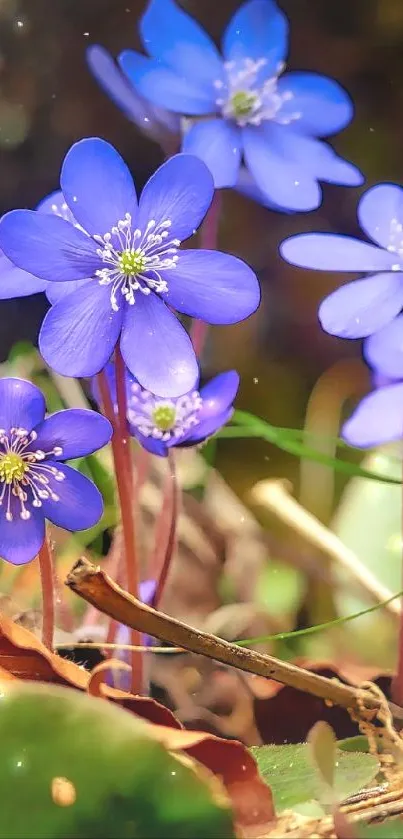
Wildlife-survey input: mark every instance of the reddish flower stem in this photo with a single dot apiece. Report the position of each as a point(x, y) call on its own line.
point(171, 498)
point(124, 436)
point(48, 594)
point(208, 241)
point(123, 471)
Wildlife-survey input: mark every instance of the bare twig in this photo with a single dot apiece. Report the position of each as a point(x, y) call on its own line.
point(97, 588)
point(274, 495)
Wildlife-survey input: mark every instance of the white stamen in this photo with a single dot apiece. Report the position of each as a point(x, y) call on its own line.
point(247, 100)
point(143, 408)
point(136, 260)
point(24, 473)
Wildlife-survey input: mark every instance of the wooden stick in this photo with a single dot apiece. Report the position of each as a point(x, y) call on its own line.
point(92, 584)
point(273, 494)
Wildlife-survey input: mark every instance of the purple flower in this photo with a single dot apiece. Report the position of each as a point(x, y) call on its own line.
point(158, 123)
point(245, 105)
point(377, 419)
point(363, 306)
point(17, 283)
point(129, 254)
point(35, 483)
point(54, 204)
point(160, 424)
point(14, 282)
point(379, 416)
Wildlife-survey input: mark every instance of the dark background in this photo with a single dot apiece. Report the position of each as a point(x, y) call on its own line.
point(48, 99)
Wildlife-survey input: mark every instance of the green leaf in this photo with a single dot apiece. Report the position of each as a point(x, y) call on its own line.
point(293, 780)
point(354, 744)
point(322, 744)
point(20, 350)
point(120, 781)
point(288, 439)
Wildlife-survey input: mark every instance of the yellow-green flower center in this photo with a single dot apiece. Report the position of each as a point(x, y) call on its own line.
point(12, 467)
point(164, 417)
point(132, 262)
point(242, 103)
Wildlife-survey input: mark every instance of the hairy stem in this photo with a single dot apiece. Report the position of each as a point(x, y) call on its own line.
point(48, 594)
point(208, 241)
point(170, 501)
point(120, 450)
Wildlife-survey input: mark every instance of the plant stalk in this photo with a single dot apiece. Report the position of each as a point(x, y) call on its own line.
point(171, 500)
point(48, 594)
point(121, 451)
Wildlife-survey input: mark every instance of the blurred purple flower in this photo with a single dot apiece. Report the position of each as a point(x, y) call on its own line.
point(379, 416)
point(362, 307)
point(161, 125)
point(34, 481)
point(160, 424)
point(128, 254)
point(377, 419)
point(244, 103)
point(384, 350)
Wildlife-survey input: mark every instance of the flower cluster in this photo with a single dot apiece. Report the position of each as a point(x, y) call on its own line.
point(35, 483)
point(242, 105)
point(116, 268)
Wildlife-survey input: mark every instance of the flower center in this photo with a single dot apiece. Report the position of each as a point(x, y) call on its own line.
point(132, 262)
point(243, 103)
point(24, 479)
point(250, 99)
point(163, 419)
point(164, 416)
point(12, 467)
point(136, 260)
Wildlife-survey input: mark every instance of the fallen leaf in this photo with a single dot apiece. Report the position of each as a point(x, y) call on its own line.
point(286, 715)
point(251, 799)
point(86, 768)
point(23, 656)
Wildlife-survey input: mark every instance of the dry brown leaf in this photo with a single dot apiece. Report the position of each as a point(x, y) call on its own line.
point(230, 760)
point(23, 656)
point(283, 714)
